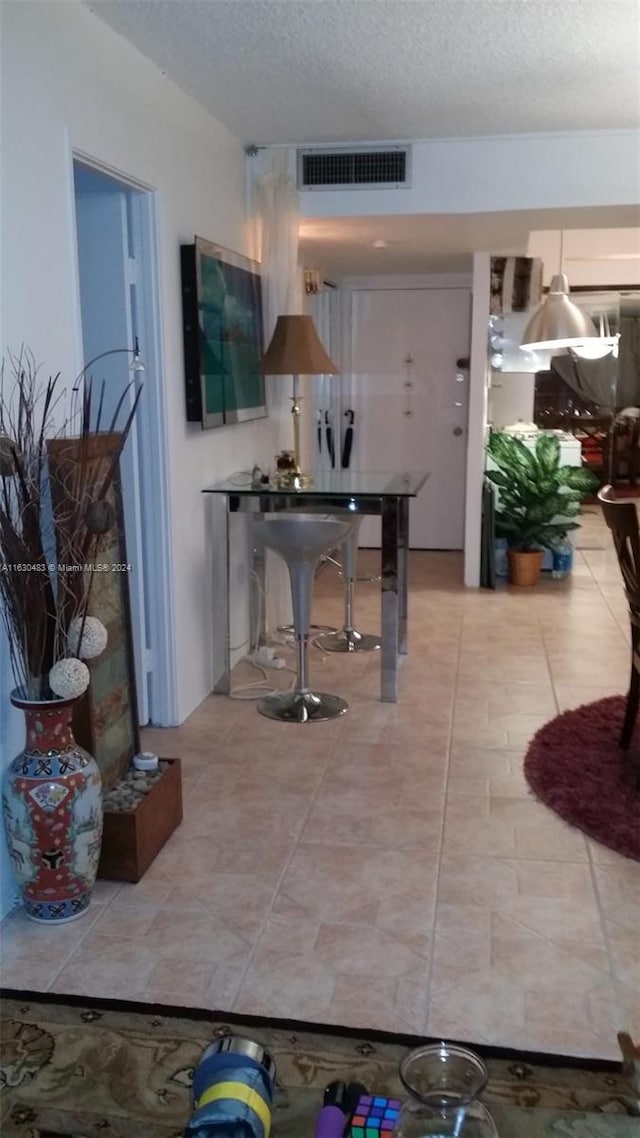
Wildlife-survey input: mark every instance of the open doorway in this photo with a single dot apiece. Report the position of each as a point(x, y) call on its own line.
point(117, 289)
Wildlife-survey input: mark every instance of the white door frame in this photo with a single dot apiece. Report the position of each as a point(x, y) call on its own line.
point(151, 428)
point(479, 379)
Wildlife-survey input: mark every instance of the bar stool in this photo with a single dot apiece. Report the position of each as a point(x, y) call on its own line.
point(348, 639)
point(301, 539)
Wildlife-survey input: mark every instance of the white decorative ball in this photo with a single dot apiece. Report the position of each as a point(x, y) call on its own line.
point(87, 642)
point(69, 678)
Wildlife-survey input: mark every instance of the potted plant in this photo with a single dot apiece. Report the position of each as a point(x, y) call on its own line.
point(539, 499)
point(54, 515)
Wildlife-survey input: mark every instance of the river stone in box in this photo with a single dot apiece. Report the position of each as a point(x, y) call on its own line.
point(128, 791)
point(140, 812)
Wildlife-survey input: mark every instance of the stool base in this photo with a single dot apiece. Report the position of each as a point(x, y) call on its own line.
point(348, 640)
point(289, 629)
point(302, 706)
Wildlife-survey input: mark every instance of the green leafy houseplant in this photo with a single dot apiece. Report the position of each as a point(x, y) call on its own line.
point(539, 498)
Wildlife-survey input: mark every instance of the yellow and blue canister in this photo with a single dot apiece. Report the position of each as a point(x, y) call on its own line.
point(233, 1087)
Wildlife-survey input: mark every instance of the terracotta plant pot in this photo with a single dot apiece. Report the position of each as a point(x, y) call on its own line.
point(524, 568)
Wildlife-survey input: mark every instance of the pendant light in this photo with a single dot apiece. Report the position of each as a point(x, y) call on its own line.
point(558, 322)
point(602, 346)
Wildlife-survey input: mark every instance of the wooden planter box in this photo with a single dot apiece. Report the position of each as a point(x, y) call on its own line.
point(132, 839)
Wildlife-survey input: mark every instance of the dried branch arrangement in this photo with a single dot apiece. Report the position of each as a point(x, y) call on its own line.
point(52, 518)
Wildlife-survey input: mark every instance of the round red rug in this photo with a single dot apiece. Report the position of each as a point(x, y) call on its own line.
point(574, 765)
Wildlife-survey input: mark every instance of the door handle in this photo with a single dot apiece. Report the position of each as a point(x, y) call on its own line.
point(457, 431)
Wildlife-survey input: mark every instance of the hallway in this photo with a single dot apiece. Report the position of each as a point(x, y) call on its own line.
point(388, 869)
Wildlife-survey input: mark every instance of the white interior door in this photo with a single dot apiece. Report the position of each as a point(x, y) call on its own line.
point(411, 401)
point(106, 288)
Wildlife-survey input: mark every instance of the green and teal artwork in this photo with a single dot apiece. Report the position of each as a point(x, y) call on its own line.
point(222, 308)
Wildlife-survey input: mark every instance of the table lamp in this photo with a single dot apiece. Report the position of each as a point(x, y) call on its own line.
point(295, 350)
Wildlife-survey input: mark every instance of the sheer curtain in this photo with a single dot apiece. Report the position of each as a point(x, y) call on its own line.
point(278, 221)
point(276, 217)
point(594, 380)
point(614, 381)
point(629, 352)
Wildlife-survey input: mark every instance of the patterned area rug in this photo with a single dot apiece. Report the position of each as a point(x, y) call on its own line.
point(109, 1070)
point(574, 765)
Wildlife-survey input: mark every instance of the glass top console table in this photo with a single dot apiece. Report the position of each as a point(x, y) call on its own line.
point(334, 491)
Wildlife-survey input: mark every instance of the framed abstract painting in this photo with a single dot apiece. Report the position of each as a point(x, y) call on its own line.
point(223, 336)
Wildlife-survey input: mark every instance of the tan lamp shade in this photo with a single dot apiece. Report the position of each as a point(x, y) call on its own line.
point(295, 349)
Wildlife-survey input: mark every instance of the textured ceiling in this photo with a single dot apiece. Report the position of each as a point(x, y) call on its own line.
point(285, 71)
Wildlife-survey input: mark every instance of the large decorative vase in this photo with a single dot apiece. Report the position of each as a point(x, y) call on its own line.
point(52, 805)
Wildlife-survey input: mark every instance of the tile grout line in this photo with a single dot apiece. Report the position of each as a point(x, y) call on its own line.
point(434, 921)
point(67, 959)
point(623, 628)
point(590, 861)
point(613, 971)
point(545, 649)
point(546, 937)
point(281, 877)
point(100, 910)
point(616, 979)
point(461, 619)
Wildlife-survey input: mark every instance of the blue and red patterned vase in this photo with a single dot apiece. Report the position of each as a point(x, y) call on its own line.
point(52, 806)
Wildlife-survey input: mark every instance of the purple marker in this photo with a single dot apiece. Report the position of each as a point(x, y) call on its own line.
point(340, 1100)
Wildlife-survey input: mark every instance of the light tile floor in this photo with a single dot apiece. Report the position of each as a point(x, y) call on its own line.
point(389, 869)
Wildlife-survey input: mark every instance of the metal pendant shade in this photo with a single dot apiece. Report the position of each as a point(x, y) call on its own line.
point(295, 349)
point(558, 322)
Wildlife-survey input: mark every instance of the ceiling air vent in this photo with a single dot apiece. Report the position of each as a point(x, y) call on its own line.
point(385, 166)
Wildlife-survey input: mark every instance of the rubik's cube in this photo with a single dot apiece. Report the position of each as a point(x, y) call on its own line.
point(375, 1117)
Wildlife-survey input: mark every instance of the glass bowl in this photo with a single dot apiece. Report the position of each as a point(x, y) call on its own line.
point(443, 1082)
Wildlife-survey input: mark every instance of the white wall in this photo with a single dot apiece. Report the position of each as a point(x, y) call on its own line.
point(511, 397)
point(528, 172)
point(70, 83)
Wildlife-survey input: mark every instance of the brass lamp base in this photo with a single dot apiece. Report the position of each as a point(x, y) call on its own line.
point(288, 475)
point(291, 480)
